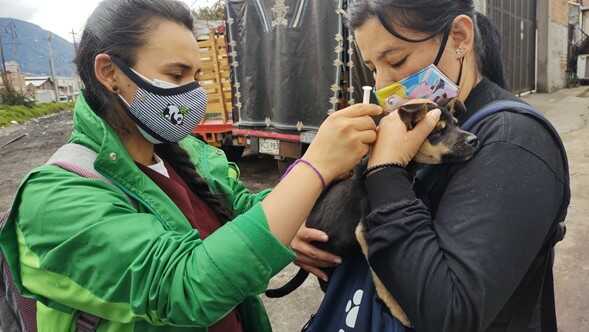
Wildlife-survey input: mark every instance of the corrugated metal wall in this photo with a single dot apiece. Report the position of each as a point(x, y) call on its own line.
point(516, 21)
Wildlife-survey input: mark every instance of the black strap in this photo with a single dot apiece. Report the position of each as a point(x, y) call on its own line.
point(534, 288)
point(443, 48)
point(548, 310)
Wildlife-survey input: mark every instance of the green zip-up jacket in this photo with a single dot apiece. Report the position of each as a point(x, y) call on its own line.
point(79, 245)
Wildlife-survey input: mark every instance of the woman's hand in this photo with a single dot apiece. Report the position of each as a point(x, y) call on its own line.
point(309, 257)
point(395, 144)
point(343, 140)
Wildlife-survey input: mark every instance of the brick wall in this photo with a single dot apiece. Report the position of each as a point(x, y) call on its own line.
point(559, 11)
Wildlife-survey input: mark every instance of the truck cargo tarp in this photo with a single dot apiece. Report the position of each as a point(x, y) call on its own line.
point(284, 65)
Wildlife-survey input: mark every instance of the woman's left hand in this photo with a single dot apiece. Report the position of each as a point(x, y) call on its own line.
point(311, 258)
point(395, 144)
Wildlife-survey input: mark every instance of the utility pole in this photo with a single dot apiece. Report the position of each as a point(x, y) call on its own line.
point(52, 67)
point(74, 39)
point(5, 79)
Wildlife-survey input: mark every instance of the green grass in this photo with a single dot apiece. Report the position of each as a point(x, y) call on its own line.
point(22, 114)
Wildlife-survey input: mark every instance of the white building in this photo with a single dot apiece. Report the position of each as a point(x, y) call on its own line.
point(40, 88)
point(68, 87)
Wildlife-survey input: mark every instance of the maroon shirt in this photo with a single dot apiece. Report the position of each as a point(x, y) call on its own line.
point(200, 216)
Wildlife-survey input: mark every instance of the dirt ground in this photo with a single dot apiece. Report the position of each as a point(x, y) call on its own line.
point(567, 109)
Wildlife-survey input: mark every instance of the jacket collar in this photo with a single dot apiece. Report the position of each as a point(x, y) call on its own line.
point(114, 162)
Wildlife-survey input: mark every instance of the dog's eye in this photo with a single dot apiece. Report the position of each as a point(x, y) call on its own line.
point(435, 136)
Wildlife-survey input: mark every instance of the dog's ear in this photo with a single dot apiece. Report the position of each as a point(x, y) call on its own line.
point(411, 114)
point(456, 107)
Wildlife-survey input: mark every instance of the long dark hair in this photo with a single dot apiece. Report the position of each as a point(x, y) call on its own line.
point(434, 17)
point(119, 28)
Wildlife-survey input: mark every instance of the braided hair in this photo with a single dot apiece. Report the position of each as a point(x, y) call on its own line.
point(119, 27)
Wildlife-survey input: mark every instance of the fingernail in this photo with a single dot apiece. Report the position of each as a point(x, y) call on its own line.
point(324, 237)
point(325, 278)
point(338, 260)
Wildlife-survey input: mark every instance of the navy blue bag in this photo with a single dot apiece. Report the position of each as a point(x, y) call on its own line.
point(351, 303)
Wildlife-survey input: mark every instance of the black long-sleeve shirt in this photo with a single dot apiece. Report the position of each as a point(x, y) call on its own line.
point(455, 255)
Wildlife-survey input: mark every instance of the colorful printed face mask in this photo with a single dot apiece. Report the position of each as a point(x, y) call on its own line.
point(163, 112)
point(428, 83)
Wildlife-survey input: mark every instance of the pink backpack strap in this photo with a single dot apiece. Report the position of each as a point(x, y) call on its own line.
point(80, 160)
point(77, 159)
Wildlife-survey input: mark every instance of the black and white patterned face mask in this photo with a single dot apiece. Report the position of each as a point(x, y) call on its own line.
point(163, 112)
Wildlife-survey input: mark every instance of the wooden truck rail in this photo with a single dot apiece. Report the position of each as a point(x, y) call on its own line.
point(215, 78)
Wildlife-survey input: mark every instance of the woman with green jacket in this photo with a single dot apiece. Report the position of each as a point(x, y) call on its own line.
point(172, 241)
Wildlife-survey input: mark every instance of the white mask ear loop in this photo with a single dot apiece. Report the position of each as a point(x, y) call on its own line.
point(156, 82)
point(123, 100)
point(139, 74)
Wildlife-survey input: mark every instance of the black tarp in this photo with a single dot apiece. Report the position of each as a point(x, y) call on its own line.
point(284, 65)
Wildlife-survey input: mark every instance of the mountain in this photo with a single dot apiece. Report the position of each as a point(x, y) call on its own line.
point(27, 44)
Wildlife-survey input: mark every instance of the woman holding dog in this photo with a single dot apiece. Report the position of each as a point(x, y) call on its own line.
point(169, 240)
point(469, 246)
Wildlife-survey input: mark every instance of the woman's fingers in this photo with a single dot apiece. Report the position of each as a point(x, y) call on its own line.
point(426, 126)
point(368, 136)
point(315, 271)
point(359, 110)
point(314, 262)
point(397, 145)
point(311, 234)
point(313, 252)
point(364, 123)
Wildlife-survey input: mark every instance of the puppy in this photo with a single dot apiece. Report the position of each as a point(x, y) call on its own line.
point(340, 208)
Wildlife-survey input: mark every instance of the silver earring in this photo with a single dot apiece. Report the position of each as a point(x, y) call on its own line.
point(460, 52)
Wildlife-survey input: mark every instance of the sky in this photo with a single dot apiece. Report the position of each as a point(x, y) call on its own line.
point(60, 16)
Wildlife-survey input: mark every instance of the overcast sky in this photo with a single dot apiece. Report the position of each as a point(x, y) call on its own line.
point(60, 16)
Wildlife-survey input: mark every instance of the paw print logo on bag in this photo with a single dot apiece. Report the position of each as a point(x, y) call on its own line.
point(352, 309)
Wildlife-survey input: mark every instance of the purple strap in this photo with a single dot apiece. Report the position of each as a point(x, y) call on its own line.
point(303, 161)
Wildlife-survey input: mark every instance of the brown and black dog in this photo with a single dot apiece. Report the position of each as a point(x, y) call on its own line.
point(340, 209)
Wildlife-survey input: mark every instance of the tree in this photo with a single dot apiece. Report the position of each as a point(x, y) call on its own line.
point(214, 12)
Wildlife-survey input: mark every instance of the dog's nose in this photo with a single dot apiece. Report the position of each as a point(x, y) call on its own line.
point(472, 141)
